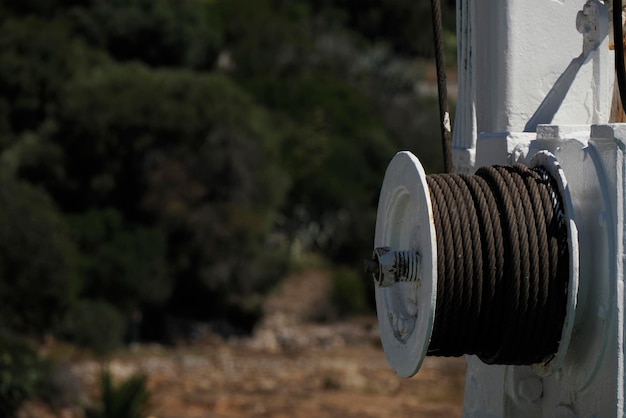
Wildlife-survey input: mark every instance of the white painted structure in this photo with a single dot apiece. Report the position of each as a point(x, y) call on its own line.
point(529, 62)
point(534, 76)
point(524, 63)
point(589, 382)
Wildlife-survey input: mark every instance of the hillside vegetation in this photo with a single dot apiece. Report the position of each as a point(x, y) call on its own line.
point(169, 161)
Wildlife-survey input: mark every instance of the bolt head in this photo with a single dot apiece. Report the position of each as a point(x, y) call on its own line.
point(374, 266)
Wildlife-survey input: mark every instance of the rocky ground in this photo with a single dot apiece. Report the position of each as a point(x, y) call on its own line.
point(289, 368)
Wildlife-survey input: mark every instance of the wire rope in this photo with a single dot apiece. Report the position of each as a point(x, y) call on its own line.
point(442, 88)
point(618, 39)
point(503, 265)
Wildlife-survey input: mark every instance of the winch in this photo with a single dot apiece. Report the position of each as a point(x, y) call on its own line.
point(515, 259)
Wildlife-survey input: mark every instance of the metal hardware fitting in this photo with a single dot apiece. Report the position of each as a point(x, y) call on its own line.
point(388, 267)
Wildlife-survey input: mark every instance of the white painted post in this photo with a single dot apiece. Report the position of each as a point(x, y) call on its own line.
point(529, 62)
point(589, 380)
point(537, 62)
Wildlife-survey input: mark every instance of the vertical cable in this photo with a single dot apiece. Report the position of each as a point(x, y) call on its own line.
point(442, 88)
point(618, 37)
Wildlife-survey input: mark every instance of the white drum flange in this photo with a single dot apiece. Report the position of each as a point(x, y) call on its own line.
point(404, 222)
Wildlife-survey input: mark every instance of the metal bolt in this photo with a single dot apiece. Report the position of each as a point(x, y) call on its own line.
point(388, 266)
point(587, 23)
point(372, 267)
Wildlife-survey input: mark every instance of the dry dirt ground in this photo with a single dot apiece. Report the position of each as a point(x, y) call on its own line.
point(289, 368)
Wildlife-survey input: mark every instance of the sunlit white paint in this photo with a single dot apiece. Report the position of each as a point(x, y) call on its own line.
point(524, 63)
point(587, 377)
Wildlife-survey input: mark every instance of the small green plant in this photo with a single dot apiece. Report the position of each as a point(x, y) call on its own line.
point(129, 399)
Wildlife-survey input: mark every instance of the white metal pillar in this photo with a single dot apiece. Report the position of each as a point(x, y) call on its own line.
point(590, 380)
point(528, 62)
point(524, 64)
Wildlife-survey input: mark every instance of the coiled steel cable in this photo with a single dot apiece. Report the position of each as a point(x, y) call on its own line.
point(503, 264)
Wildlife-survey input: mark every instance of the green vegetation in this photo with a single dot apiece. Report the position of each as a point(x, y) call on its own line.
point(23, 375)
point(129, 399)
point(167, 160)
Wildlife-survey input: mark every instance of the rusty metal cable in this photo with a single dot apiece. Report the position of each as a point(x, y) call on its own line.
point(618, 39)
point(503, 265)
point(442, 88)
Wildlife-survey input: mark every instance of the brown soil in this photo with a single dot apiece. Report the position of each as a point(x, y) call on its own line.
point(289, 368)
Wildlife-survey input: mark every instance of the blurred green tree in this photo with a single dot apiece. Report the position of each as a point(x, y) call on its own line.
point(265, 37)
point(165, 33)
point(186, 151)
point(35, 56)
point(121, 264)
point(335, 150)
point(192, 145)
point(405, 25)
point(38, 278)
point(24, 374)
point(94, 324)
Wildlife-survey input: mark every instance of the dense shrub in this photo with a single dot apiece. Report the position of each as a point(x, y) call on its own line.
point(38, 279)
point(120, 263)
point(95, 325)
point(23, 374)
